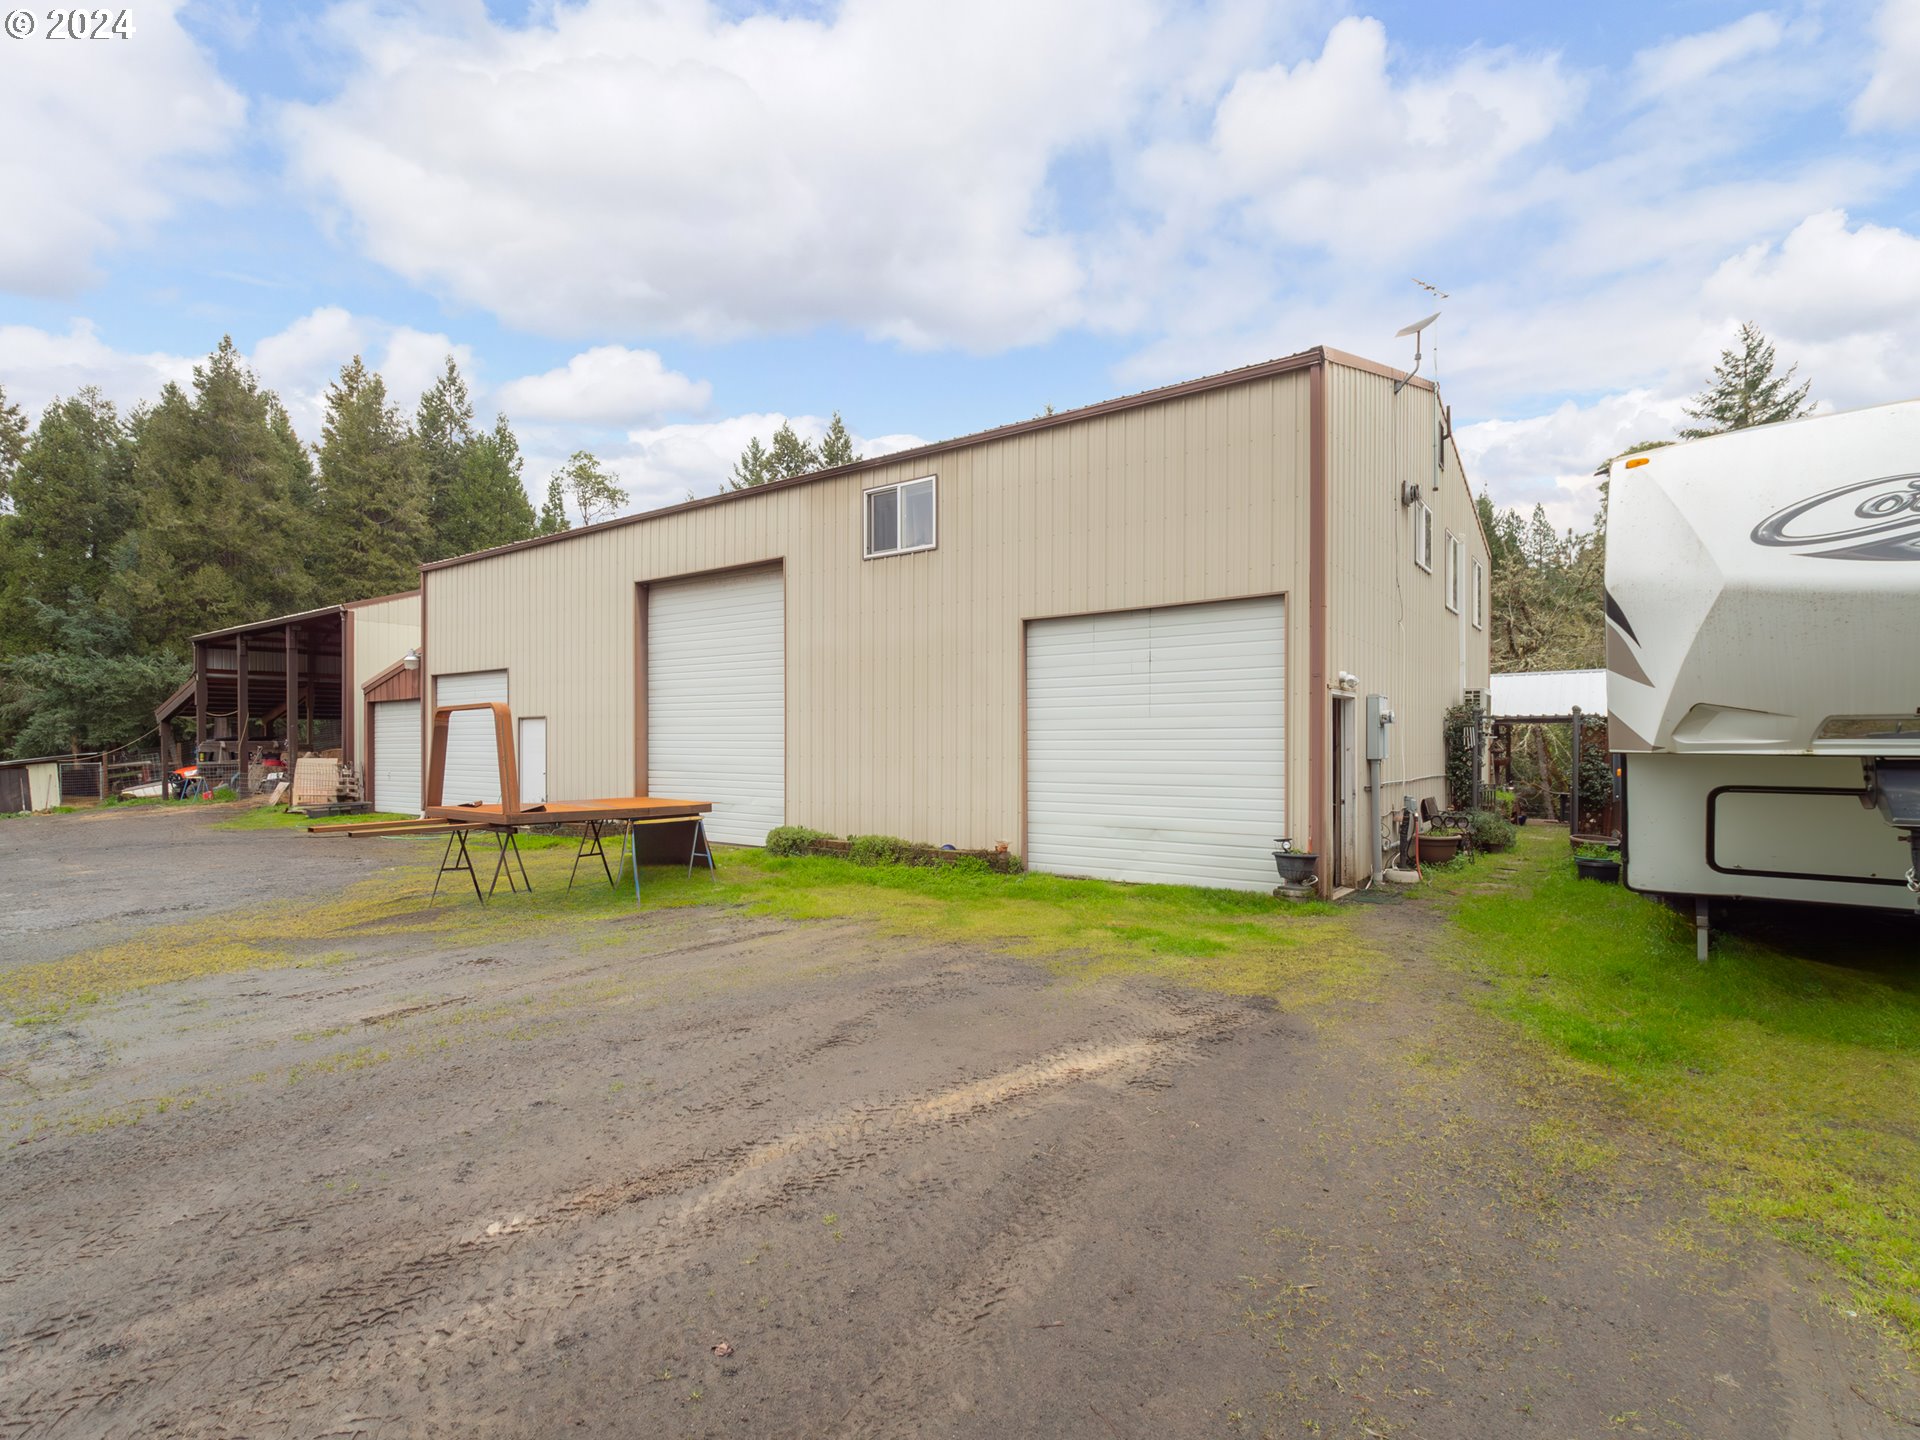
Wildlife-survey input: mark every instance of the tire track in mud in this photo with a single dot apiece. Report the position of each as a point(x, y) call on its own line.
point(426, 1314)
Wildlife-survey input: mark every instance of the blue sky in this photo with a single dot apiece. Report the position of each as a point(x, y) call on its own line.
point(655, 230)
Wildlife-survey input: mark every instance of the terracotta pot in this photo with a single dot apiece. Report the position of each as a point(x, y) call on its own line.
point(1439, 849)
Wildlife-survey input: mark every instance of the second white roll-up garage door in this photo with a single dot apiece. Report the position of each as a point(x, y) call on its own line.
point(396, 756)
point(717, 699)
point(473, 751)
point(1156, 744)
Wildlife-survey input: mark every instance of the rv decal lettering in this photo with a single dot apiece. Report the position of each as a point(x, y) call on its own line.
point(1876, 519)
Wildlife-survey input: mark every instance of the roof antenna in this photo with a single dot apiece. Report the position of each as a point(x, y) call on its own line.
point(1414, 330)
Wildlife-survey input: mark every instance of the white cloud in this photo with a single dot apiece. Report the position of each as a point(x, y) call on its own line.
point(607, 385)
point(1690, 59)
point(1824, 280)
point(102, 138)
point(36, 366)
point(299, 362)
point(1549, 459)
point(616, 168)
point(1892, 98)
point(660, 464)
point(1339, 154)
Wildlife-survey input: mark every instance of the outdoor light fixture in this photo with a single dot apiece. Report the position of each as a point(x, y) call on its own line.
point(411, 660)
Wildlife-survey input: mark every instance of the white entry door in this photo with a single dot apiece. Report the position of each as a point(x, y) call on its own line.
point(1156, 744)
point(533, 760)
point(396, 756)
point(473, 754)
point(717, 699)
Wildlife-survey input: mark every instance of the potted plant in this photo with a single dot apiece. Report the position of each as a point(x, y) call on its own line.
point(1439, 845)
point(1508, 804)
point(1298, 868)
point(1597, 862)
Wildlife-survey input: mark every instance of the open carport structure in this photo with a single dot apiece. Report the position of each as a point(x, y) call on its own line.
point(293, 680)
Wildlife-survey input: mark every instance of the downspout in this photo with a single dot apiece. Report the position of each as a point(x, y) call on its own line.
point(1319, 761)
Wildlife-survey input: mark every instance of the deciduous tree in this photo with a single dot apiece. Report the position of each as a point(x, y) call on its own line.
point(595, 490)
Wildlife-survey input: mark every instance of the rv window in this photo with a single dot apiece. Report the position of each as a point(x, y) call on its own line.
point(1839, 729)
point(1423, 538)
point(1479, 596)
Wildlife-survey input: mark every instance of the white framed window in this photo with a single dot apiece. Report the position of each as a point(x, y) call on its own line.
point(1456, 554)
point(901, 518)
point(1479, 595)
point(1423, 537)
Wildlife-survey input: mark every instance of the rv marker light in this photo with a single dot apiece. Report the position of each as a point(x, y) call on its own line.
point(1640, 460)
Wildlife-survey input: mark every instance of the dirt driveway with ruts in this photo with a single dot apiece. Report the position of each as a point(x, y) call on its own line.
point(702, 1171)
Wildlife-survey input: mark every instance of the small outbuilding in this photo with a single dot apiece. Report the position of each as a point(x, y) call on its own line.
point(1140, 640)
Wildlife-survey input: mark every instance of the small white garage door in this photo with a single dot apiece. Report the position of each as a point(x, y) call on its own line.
point(396, 756)
point(1156, 745)
point(473, 753)
point(717, 699)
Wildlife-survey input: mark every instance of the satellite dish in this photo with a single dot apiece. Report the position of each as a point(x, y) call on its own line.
point(1414, 330)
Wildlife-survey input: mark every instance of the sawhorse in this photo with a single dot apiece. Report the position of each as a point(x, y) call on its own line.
point(592, 839)
point(503, 837)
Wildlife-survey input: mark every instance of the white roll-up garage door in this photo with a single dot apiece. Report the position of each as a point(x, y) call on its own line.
point(396, 756)
point(1156, 744)
point(717, 699)
point(473, 753)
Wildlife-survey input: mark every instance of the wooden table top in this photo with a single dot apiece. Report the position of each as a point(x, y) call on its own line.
point(574, 812)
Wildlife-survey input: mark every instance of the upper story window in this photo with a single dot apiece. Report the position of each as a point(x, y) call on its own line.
point(1479, 596)
point(1423, 537)
point(1456, 554)
point(901, 518)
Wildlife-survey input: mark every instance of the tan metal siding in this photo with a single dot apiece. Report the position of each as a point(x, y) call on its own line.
point(1388, 621)
point(382, 633)
point(904, 673)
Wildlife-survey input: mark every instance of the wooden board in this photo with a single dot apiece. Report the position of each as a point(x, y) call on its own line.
point(572, 812)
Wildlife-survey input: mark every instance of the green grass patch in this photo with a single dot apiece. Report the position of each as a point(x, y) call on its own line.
point(1241, 943)
point(1789, 1063)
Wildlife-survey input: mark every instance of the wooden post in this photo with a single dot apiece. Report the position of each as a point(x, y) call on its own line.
point(1573, 819)
point(293, 698)
point(243, 713)
point(199, 697)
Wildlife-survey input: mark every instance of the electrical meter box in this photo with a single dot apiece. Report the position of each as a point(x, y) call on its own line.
point(1379, 719)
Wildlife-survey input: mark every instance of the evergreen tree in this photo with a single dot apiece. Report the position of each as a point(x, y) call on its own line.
point(789, 455)
point(553, 513)
point(490, 505)
point(223, 520)
point(595, 490)
point(88, 688)
point(1745, 391)
point(754, 467)
point(72, 497)
point(13, 442)
point(373, 501)
point(443, 430)
point(836, 447)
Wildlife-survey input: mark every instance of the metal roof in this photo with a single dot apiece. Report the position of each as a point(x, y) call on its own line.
point(1548, 694)
point(276, 622)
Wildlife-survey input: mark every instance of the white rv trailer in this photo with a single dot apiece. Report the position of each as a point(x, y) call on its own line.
point(1763, 661)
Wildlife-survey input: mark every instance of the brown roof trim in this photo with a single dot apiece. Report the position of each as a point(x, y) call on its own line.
point(1283, 366)
point(1374, 367)
point(383, 599)
point(274, 623)
point(387, 674)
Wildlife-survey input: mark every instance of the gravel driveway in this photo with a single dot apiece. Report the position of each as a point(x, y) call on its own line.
point(700, 1173)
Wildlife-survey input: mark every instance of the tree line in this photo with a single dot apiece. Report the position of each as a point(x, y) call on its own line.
point(123, 535)
point(1546, 588)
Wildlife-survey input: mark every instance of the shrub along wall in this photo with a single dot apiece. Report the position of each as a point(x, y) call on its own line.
point(880, 849)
